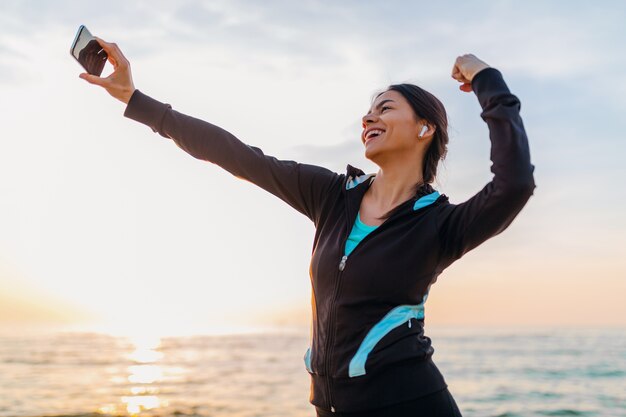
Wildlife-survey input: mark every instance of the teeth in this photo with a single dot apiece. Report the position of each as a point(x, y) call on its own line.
point(374, 132)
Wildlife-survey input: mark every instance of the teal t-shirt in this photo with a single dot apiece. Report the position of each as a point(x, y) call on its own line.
point(359, 231)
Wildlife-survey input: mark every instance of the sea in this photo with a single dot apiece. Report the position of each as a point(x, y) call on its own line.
point(490, 371)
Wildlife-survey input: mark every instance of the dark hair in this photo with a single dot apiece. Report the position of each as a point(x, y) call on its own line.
point(428, 107)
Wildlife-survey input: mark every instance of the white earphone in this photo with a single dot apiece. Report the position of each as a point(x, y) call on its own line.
point(424, 128)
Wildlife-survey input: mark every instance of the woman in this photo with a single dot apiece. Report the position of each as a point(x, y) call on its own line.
point(381, 239)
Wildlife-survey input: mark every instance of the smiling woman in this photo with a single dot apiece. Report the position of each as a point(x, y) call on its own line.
point(368, 354)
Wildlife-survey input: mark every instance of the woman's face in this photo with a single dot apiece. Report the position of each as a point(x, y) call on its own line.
point(390, 127)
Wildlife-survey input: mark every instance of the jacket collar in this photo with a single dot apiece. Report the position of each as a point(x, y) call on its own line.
point(355, 176)
point(358, 182)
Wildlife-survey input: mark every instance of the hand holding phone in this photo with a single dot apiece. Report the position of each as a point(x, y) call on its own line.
point(88, 52)
point(119, 83)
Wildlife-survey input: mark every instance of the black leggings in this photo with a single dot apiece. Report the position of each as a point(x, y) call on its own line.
point(437, 404)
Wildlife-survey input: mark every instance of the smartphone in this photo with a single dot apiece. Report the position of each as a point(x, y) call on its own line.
point(88, 52)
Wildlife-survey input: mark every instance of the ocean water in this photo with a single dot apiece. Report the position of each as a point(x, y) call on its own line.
point(521, 372)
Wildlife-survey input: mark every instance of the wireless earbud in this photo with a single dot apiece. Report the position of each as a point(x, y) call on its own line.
point(424, 128)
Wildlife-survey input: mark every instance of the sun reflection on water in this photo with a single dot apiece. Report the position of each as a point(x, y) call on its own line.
point(138, 403)
point(145, 372)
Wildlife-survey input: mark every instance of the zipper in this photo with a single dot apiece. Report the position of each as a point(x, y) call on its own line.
point(327, 356)
point(342, 265)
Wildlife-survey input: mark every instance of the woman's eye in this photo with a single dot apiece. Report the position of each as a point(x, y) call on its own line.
point(384, 107)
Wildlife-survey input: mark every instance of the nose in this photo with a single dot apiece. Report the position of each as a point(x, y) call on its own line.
point(368, 119)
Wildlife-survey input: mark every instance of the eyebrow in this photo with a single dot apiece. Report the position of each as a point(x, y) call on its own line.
point(380, 104)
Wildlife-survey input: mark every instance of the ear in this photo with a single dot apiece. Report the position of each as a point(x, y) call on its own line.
point(426, 130)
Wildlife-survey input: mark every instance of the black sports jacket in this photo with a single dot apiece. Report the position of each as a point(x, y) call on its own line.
point(367, 345)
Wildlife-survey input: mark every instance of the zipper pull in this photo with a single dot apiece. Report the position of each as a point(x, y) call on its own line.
point(332, 408)
point(409, 323)
point(342, 264)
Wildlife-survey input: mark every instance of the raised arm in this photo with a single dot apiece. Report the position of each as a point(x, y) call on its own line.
point(462, 227)
point(302, 186)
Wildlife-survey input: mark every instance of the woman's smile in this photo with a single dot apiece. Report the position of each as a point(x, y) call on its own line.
point(371, 133)
point(374, 137)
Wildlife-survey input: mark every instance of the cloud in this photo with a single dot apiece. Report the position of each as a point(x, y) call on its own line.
point(403, 39)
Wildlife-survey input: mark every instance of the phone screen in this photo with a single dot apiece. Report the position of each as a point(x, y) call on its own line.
point(88, 52)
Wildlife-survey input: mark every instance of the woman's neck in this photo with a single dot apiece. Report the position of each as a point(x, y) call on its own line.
point(394, 185)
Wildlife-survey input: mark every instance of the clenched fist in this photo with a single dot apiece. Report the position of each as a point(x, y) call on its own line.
point(465, 68)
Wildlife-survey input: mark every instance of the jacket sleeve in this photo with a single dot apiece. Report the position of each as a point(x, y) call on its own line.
point(303, 186)
point(462, 227)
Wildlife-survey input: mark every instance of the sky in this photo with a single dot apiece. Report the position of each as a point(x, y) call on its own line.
point(105, 223)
